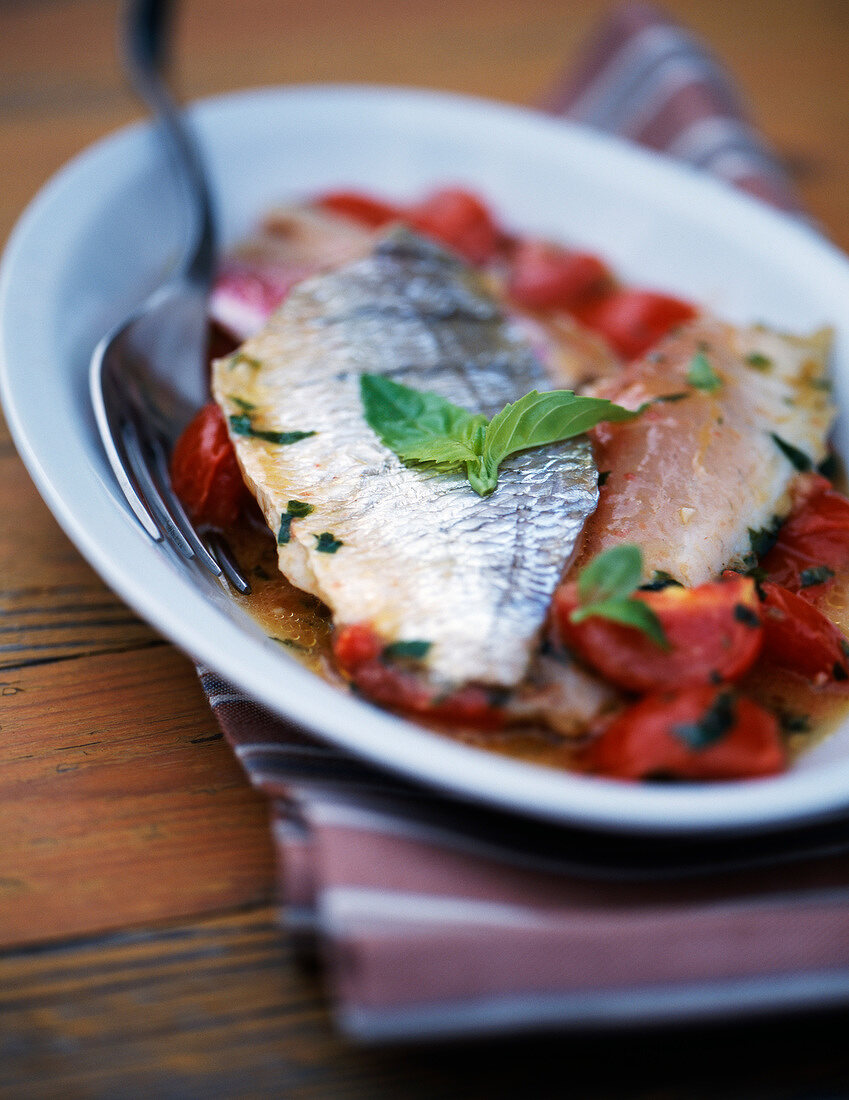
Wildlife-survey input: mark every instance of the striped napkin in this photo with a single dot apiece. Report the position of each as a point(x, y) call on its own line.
point(435, 918)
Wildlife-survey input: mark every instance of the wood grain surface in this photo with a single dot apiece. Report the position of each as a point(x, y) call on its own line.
point(139, 953)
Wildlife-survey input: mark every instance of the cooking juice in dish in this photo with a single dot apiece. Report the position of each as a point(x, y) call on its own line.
point(478, 481)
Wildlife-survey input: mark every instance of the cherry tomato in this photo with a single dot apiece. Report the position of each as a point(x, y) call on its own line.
point(458, 219)
point(698, 733)
point(204, 472)
point(714, 633)
point(359, 652)
point(799, 637)
point(543, 276)
point(633, 320)
point(361, 208)
point(813, 542)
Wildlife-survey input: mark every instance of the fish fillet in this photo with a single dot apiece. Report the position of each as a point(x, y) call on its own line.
point(416, 555)
point(690, 478)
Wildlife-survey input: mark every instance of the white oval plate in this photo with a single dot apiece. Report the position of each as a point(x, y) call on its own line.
point(106, 229)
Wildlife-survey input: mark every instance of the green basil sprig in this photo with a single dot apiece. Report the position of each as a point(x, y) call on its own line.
point(423, 429)
point(606, 587)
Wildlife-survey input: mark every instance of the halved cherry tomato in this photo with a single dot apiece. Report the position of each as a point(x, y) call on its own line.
point(361, 208)
point(633, 320)
point(698, 733)
point(713, 630)
point(543, 276)
point(204, 472)
point(359, 651)
point(814, 535)
point(458, 219)
point(799, 637)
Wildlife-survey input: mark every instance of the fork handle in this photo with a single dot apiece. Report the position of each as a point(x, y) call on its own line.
point(147, 32)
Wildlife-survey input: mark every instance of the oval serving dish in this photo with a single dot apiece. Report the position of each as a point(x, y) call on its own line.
point(106, 230)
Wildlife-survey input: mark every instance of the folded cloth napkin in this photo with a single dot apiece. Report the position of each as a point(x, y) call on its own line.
point(435, 918)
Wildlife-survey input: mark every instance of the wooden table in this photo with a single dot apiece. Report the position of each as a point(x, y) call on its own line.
point(139, 953)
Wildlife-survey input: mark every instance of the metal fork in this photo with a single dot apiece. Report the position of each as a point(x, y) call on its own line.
point(147, 377)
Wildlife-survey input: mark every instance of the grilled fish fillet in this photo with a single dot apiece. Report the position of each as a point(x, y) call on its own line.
point(416, 555)
point(690, 478)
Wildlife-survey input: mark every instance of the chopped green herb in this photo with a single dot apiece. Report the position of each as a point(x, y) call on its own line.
point(746, 616)
point(758, 360)
point(702, 375)
point(241, 425)
point(763, 540)
point(712, 726)
point(325, 543)
point(798, 458)
point(791, 722)
point(290, 644)
point(295, 509)
point(603, 475)
point(660, 579)
point(423, 429)
point(820, 384)
point(239, 357)
point(669, 398)
point(830, 466)
point(605, 589)
point(414, 650)
point(817, 574)
point(285, 531)
point(245, 406)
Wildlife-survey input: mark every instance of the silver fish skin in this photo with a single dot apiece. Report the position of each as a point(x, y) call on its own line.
point(421, 557)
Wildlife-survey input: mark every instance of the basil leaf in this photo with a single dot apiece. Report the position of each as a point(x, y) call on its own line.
point(405, 418)
point(614, 573)
point(325, 543)
point(702, 375)
point(763, 540)
point(538, 419)
point(284, 532)
point(605, 588)
point(717, 720)
point(628, 612)
point(415, 650)
point(425, 429)
point(660, 579)
point(817, 574)
point(796, 457)
point(241, 425)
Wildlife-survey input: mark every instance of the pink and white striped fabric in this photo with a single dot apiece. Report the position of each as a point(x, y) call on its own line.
point(434, 918)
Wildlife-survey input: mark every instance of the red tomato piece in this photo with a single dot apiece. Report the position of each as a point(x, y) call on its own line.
point(204, 472)
point(633, 320)
point(714, 632)
point(543, 276)
point(698, 733)
point(359, 651)
point(799, 637)
point(361, 208)
point(356, 645)
point(458, 219)
point(814, 535)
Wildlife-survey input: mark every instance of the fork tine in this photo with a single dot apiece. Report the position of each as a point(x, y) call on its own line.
point(112, 443)
point(131, 438)
point(229, 565)
point(175, 507)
